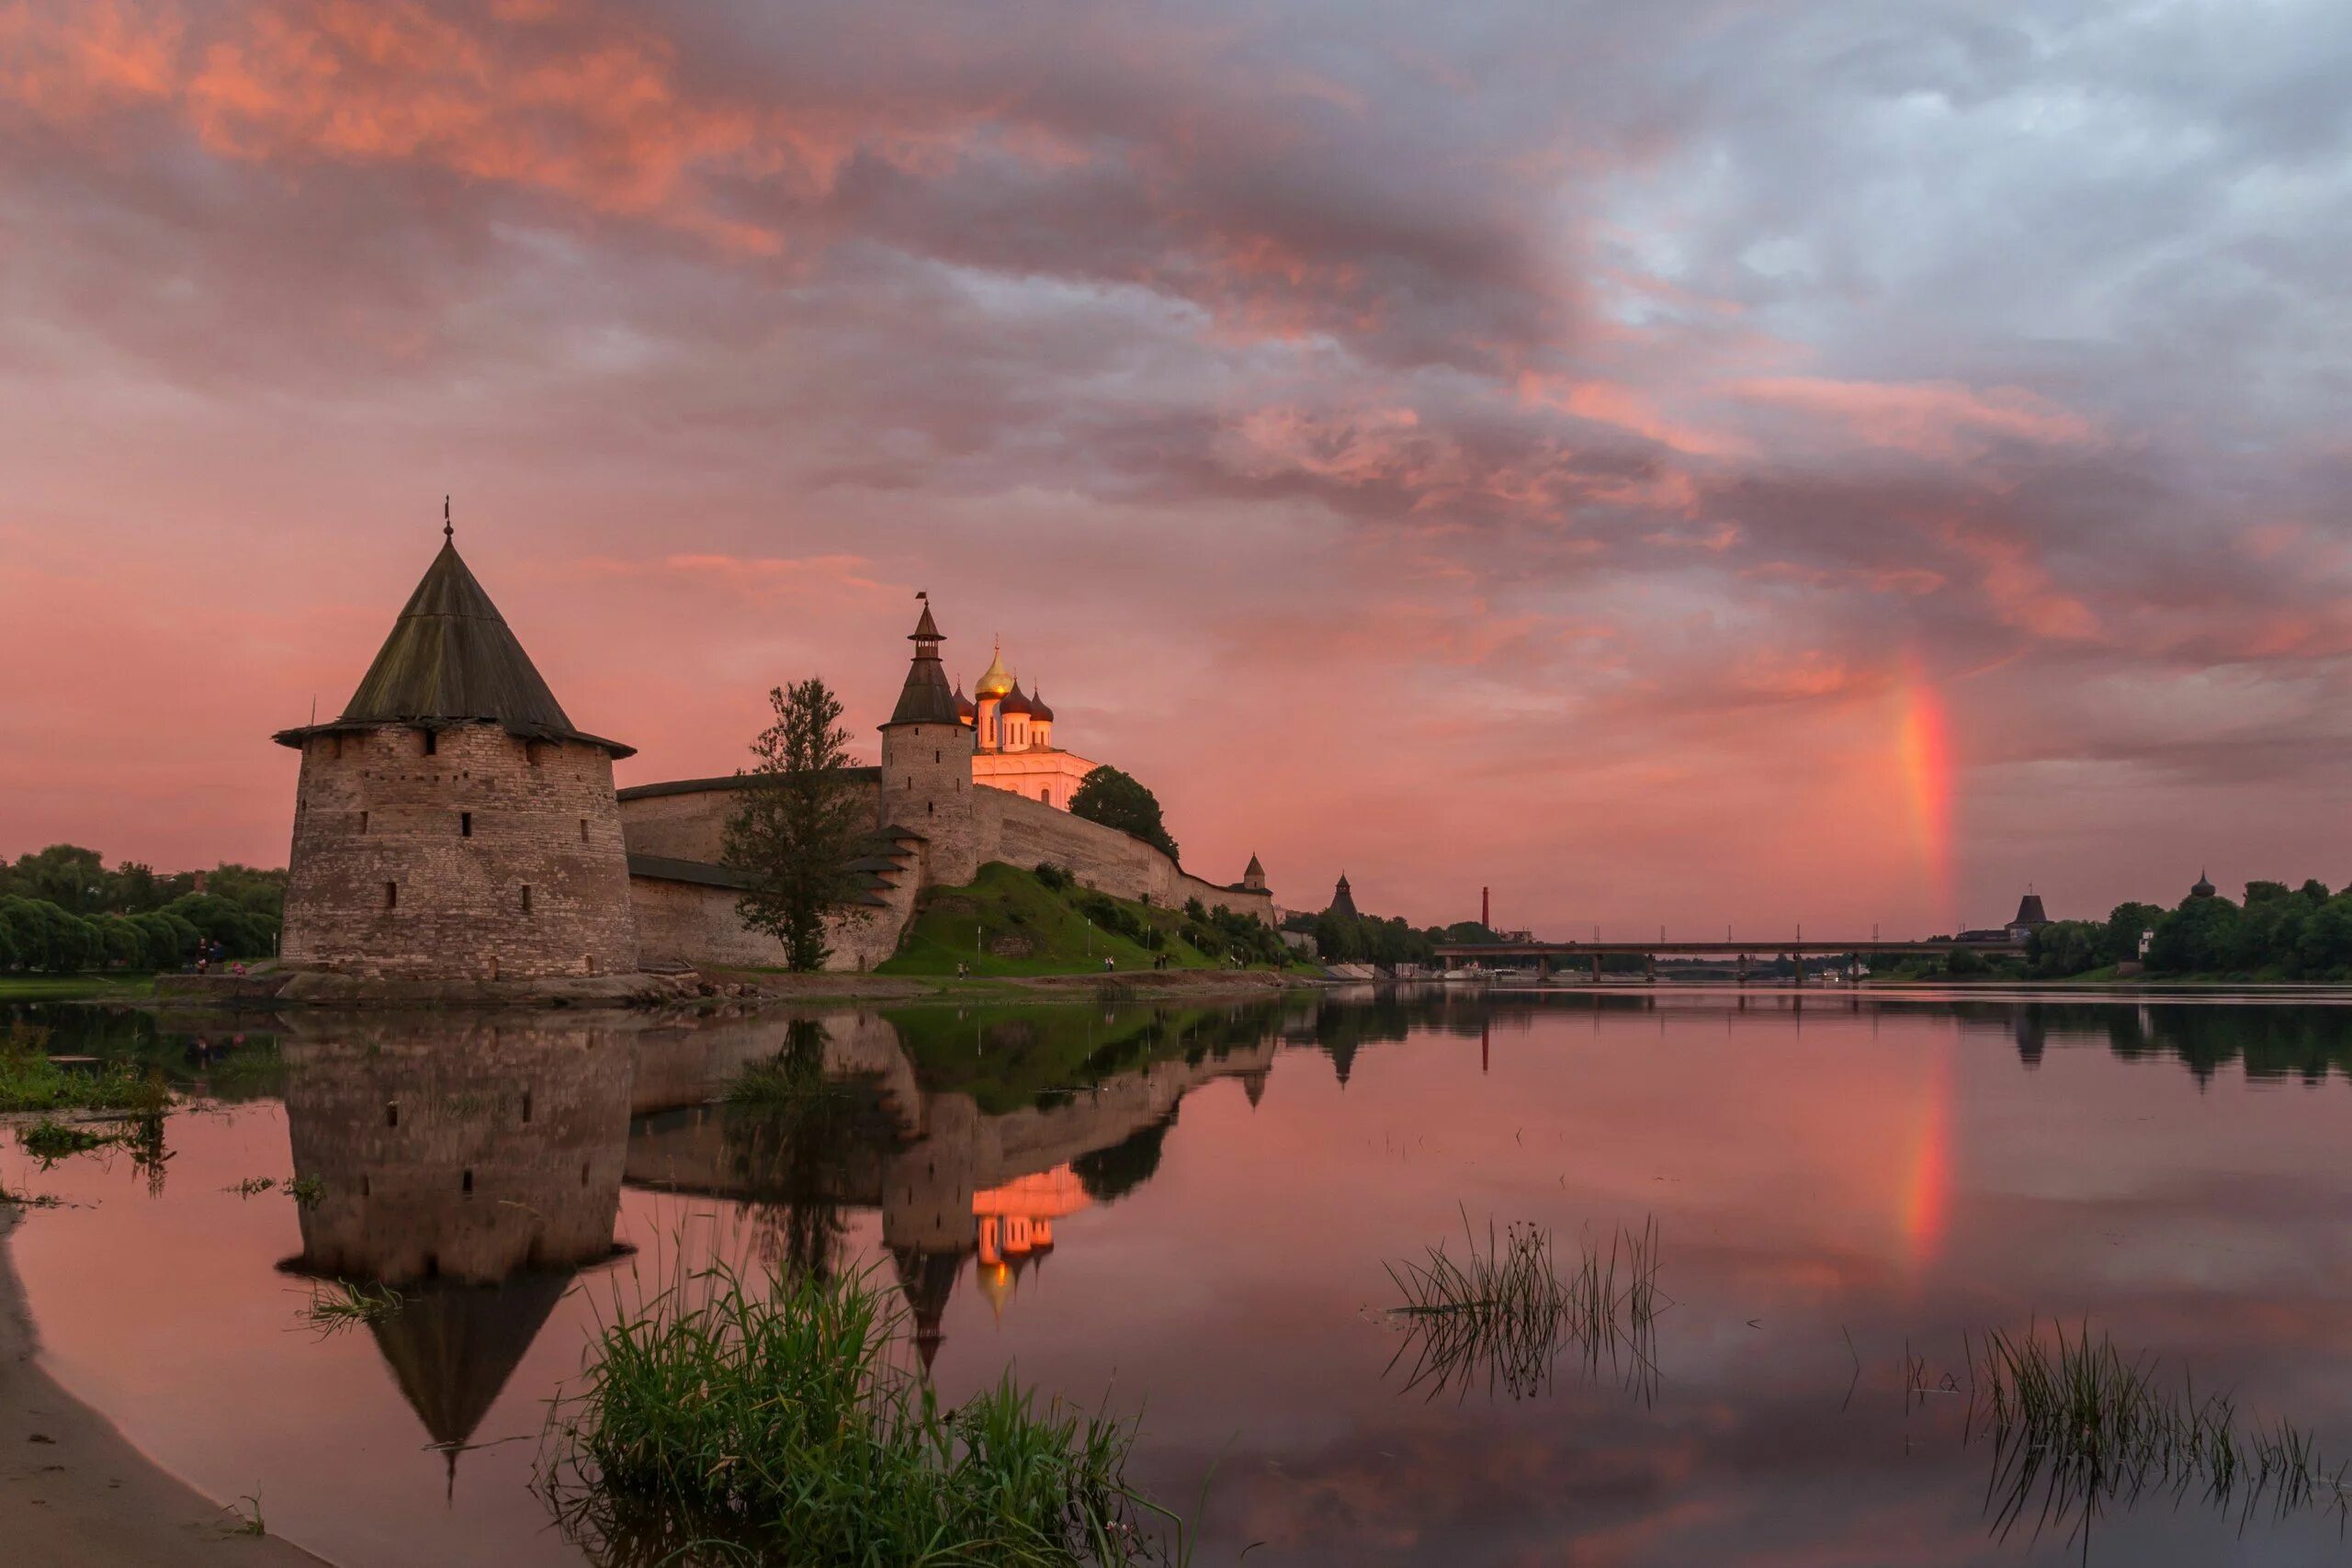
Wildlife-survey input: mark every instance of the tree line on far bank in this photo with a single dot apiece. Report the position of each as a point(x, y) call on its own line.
point(63, 911)
point(2278, 932)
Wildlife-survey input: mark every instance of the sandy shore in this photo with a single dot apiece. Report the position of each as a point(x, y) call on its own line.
point(73, 1492)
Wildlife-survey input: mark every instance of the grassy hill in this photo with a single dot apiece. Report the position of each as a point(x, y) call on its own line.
point(1010, 921)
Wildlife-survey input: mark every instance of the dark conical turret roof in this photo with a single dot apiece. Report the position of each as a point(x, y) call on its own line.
point(1343, 902)
point(451, 658)
point(929, 1280)
point(452, 1348)
point(2030, 911)
point(926, 698)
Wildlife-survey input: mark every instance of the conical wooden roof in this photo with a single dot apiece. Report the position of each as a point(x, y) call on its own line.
point(451, 658)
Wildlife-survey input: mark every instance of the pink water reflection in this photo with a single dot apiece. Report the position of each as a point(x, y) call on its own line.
point(1830, 1187)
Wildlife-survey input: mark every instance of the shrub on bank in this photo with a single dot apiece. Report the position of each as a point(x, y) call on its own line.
point(774, 1420)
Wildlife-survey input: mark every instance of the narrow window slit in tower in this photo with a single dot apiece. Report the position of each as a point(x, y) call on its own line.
point(526, 1106)
point(465, 824)
point(392, 1113)
point(432, 741)
point(469, 1188)
point(583, 829)
point(392, 894)
point(526, 898)
point(363, 821)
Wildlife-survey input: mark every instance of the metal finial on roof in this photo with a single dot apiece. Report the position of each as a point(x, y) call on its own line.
point(448, 529)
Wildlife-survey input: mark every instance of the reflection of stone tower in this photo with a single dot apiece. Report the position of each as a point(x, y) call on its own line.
point(464, 1151)
point(452, 823)
point(927, 765)
point(471, 1167)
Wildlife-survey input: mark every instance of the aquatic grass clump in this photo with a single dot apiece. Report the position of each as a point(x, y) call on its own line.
point(2076, 1426)
point(721, 1417)
point(49, 1140)
point(345, 1303)
point(1507, 1308)
point(31, 1080)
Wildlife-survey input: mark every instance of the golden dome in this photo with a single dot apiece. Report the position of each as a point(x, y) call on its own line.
point(993, 681)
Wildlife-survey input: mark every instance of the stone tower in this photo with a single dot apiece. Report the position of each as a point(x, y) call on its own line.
point(927, 765)
point(453, 824)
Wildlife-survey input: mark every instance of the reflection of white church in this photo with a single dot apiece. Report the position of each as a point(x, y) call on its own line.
point(1014, 733)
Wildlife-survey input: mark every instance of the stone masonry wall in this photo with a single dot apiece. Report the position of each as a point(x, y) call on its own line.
point(694, 923)
point(386, 879)
point(688, 823)
point(1023, 832)
point(963, 827)
point(927, 786)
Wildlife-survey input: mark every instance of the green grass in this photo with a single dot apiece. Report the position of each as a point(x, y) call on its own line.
point(771, 1425)
point(30, 1081)
point(1007, 922)
point(1503, 1313)
point(67, 987)
point(2077, 1426)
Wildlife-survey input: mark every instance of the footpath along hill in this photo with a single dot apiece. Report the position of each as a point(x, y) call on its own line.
point(1008, 921)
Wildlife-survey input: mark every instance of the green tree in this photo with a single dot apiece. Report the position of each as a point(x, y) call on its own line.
point(1117, 800)
point(2121, 942)
point(799, 823)
point(2324, 946)
point(2064, 947)
point(73, 878)
point(2197, 937)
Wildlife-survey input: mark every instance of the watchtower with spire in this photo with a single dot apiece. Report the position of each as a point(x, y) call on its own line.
point(452, 822)
point(926, 767)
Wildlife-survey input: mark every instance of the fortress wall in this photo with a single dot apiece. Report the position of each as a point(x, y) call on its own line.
point(1023, 832)
point(374, 812)
point(1241, 902)
point(693, 923)
point(689, 823)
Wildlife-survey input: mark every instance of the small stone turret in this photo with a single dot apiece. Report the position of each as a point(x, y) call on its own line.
point(927, 765)
point(1253, 875)
point(453, 823)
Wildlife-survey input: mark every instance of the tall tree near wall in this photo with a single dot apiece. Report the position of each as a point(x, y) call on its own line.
point(1117, 800)
point(801, 824)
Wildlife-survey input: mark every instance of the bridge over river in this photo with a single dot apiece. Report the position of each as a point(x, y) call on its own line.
point(1548, 953)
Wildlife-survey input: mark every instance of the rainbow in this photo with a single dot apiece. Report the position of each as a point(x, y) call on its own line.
point(1923, 761)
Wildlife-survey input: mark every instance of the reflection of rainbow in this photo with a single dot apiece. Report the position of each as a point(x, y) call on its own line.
point(1925, 1192)
point(1923, 751)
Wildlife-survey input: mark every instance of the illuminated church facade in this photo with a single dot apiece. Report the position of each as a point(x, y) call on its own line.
point(1013, 740)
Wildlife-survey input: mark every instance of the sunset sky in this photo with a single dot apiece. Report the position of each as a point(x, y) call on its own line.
point(1730, 461)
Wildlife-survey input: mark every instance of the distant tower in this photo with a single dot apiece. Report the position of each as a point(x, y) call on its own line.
point(2201, 888)
point(1253, 875)
point(1041, 723)
point(1343, 902)
point(453, 823)
point(1486, 910)
point(927, 763)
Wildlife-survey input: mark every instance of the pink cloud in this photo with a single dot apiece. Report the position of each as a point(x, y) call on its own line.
point(1934, 419)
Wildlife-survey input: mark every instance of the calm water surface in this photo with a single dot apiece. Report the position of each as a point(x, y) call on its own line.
point(1191, 1213)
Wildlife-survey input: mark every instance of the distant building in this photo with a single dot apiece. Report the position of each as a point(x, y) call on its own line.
point(2201, 888)
point(1012, 734)
point(2029, 918)
point(453, 825)
point(1344, 901)
point(961, 782)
